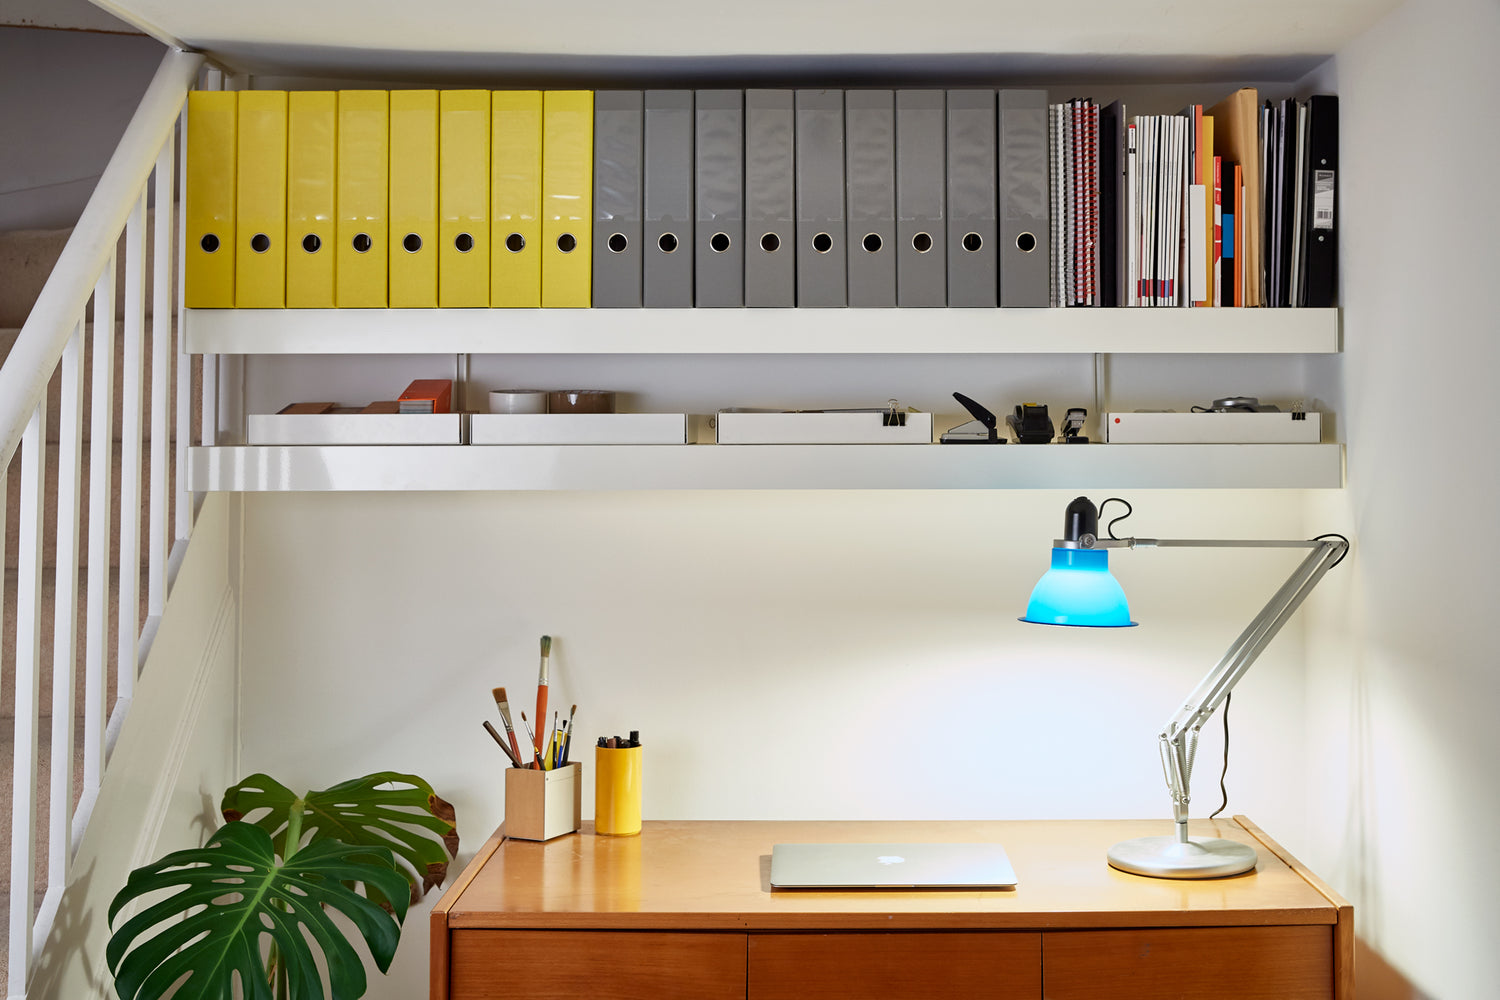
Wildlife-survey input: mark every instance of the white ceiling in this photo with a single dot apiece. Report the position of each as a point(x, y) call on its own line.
point(1270, 39)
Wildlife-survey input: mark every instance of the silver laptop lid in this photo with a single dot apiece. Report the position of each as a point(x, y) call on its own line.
point(890, 866)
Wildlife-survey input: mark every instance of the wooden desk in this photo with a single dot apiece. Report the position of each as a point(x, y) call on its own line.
point(685, 910)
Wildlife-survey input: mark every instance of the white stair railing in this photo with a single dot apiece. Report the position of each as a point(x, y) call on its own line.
point(52, 340)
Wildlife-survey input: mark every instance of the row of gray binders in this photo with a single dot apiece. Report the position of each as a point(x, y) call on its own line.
point(822, 198)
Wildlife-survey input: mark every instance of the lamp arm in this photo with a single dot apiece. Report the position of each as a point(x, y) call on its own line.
point(1178, 740)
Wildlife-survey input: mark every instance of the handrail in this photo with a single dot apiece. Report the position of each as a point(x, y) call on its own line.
point(39, 347)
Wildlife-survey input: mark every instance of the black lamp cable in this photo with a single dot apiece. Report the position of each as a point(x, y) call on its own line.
point(1128, 511)
point(1224, 773)
point(1230, 697)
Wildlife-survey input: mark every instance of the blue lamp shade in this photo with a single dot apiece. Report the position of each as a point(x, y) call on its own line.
point(1079, 590)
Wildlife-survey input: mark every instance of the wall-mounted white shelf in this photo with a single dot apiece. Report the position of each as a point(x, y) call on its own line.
point(789, 467)
point(762, 331)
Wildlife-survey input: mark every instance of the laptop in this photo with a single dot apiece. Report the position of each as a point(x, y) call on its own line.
point(890, 866)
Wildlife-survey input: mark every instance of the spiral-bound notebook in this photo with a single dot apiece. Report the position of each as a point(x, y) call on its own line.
point(891, 866)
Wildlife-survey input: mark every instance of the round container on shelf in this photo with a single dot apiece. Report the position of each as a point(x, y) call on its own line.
point(581, 401)
point(518, 401)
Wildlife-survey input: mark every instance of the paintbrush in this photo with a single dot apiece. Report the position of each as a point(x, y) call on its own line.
point(536, 765)
point(541, 694)
point(504, 706)
point(491, 729)
point(568, 739)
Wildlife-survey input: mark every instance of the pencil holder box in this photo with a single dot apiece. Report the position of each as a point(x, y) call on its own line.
point(540, 805)
point(617, 791)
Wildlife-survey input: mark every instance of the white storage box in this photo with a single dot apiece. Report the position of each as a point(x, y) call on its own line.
point(822, 428)
point(354, 428)
point(1213, 428)
point(578, 428)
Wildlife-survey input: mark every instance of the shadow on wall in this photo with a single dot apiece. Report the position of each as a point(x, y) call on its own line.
point(1377, 979)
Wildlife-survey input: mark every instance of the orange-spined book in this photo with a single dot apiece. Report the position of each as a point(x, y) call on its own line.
point(427, 395)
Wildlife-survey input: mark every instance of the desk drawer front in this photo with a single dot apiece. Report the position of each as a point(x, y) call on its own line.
point(1201, 963)
point(905, 966)
point(607, 965)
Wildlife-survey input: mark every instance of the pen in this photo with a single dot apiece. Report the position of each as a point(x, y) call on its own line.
point(492, 732)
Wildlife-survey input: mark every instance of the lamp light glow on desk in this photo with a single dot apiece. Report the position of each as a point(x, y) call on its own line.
point(1078, 590)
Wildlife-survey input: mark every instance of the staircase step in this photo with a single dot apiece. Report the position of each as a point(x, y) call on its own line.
point(49, 516)
point(49, 601)
point(28, 256)
point(8, 339)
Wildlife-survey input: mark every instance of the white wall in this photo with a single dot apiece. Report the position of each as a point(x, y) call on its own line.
point(1402, 679)
point(814, 655)
point(65, 99)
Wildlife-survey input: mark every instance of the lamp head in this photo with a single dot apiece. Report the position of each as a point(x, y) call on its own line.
point(1079, 589)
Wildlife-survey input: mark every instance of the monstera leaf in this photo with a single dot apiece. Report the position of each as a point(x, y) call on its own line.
point(386, 809)
point(231, 893)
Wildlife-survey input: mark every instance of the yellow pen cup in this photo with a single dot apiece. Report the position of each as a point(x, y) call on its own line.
point(617, 791)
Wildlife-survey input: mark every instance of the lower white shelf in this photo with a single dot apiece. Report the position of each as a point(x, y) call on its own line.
point(771, 467)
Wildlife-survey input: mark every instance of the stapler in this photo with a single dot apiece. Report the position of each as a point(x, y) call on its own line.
point(983, 429)
point(1072, 426)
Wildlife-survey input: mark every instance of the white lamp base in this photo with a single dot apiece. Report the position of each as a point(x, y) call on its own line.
point(1167, 857)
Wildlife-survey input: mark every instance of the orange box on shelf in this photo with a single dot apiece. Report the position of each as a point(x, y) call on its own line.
point(427, 395)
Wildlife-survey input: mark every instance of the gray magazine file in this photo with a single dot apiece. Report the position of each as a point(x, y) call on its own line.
point(618, 160)
point(770, 199)
point(921, 180)
point(821, 237)
point(870, 127)
point(667, 255)
point(971, 198)
point(1024, 226)
point(719, 241)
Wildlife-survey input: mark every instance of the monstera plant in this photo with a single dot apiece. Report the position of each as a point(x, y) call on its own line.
point(251, 903)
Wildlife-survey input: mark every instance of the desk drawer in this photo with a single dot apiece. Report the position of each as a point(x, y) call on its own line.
point(1190, 963)
point(917, 965)
point(617, 965)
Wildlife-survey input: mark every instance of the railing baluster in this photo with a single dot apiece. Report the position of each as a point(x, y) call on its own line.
point(101, 473)
point(4, 496)
point(184, 518)
point(28, 667)
point(128, 612)
point(64, 627)
point(161, 376)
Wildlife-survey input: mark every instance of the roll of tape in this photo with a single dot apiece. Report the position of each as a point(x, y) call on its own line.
point(518, 401)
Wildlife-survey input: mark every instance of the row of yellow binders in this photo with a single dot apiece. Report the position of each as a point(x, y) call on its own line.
point(402, 199)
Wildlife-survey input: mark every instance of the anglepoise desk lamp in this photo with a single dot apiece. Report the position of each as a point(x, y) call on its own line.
point(1078, 590)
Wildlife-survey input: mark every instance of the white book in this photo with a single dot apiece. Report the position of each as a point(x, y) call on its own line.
point(1213, 428)
point(578, 428)
point(353, 428)
point(864, 427)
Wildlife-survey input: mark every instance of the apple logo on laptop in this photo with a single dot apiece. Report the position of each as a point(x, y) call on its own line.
point(890, 859)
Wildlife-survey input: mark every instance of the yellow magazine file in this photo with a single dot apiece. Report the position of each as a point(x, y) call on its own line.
point(312, 117)
point(567, 197)
point(208, 202)
point(260, 201)
point(516, 198)
point(363, 222)
point(414, 199)
point(464, 198)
